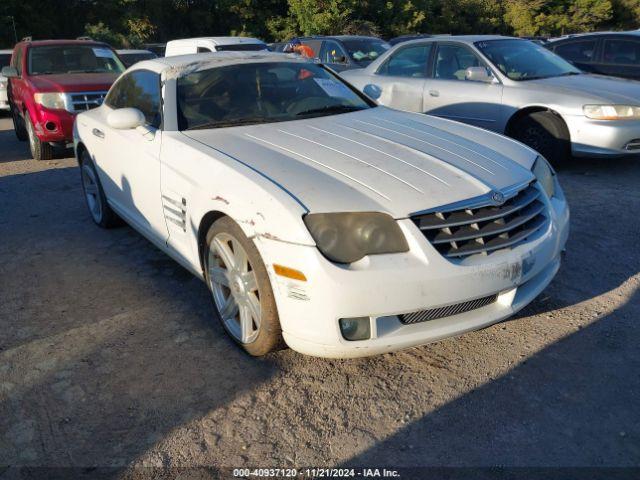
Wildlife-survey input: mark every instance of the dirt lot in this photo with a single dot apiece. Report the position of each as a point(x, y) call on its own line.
point(110, 354)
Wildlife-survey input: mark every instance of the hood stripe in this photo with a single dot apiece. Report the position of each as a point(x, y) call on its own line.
point(318, 163)
point(480, 182)
point(382, 152)
point(354, 158)
point(428, 143)
point(460, 139)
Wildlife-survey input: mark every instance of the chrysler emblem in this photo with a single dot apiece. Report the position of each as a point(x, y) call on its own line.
point(498, 198)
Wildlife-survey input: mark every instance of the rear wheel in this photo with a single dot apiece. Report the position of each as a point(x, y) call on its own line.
point(18, 126)
point(242, 294)
point(100, 211)
point(546, 133)
point(39, 150)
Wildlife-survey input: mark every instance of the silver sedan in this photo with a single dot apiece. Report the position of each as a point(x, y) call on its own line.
point(510, 86)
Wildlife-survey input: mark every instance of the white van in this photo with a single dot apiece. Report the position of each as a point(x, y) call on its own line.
point(188, 46)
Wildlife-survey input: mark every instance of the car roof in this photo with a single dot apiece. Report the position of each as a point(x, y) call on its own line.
point(37, 43)
point(6, 51)
point(182, 64)
point(341, 37)
point(632, 33)
point(469, 39)
point(128, 50)
point(218, 40)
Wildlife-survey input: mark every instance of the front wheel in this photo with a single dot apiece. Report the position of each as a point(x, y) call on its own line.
point(546, 133)
point(18, 126)
point(39, 150)
point(101, 212)
point(242, 294)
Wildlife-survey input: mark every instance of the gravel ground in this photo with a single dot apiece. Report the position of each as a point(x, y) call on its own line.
point(110, 354)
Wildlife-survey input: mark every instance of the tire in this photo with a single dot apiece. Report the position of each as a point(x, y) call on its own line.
point(39, 150)
point(241, 289)
point(546, 133)
point(99, 209)
point(18, 126)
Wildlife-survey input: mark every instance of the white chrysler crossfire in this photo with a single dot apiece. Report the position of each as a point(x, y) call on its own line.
point(318, 219)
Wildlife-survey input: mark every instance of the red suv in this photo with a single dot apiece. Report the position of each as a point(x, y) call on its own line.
point(50, 81)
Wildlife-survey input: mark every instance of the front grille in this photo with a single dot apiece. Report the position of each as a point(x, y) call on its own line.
point(81, 102)
point(448, 311)
point(482, 227)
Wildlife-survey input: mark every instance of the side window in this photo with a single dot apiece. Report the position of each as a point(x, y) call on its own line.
point(625, 52)
point(408, 62)
point(332, 53)
point(139, 89)
point(452, 62)
point(577, 51)
point(204, 50)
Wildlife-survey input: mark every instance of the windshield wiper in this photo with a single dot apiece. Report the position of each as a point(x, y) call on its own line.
point(568, 74)
point(231, 123)
point(331, 109)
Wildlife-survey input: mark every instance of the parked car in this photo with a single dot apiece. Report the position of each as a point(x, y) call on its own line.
point(607, 53)
point(5, 59)
point(345, 52)
point(276, 46)
point(157, 48)
point(316, 217)
point(129, 57)
point(188, 46)
point(537, 39)
point(510, 86)
point(405, 38)
point(50, 81)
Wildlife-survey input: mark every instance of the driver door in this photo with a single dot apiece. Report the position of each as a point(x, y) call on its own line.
point(450, 95)
point(131, 158)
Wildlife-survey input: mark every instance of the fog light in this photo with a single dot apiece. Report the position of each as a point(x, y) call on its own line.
point(358, 328)
point(50, 126)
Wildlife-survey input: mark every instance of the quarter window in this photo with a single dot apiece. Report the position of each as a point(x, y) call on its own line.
point(625, 52)
point(408, 62)
point(577, 51)
point(139, 89)
point(452, 62)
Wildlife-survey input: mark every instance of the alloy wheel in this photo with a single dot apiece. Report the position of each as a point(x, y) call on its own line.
point(234, 286)
point(91, 192)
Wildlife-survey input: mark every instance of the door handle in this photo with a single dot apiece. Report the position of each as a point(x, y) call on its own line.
point(98, 133)
point(434, 93)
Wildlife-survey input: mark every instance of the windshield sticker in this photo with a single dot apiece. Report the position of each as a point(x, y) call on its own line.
point(333, 88)
point(102, 52)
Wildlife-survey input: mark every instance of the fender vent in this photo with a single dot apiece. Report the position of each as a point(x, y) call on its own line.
point(448, 311)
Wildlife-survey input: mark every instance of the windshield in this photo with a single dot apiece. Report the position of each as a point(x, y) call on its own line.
point(5, 59)
point(262, 93)
point(524, 60)
point(130, 58)
point(61, 59)
point(242, 47)
point(365, 50)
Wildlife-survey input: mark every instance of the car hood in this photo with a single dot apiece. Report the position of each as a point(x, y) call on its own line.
point(375, 160)
point(76, 82)
point(593, 87)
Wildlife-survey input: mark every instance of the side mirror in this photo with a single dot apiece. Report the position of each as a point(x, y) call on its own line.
point(372, 91)
point(340, 59)
point(478, 74)
point(10, 72)
point(126, 119)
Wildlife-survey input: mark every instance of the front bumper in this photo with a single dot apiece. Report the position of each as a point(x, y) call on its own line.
point(600, 138)
point(4, 101)
point(53, 126)
point(384, 286)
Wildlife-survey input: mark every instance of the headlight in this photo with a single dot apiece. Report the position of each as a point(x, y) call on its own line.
point(348, 237)
point(53, 101)
point(612, 112)
point(545, 176)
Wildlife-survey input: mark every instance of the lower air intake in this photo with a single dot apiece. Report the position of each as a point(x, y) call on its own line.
point(448, 311)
